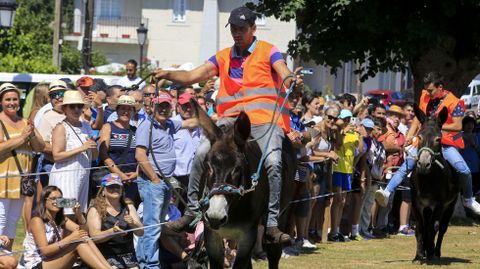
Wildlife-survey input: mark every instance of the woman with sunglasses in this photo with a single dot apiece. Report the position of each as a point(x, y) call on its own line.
point(46, 246)
point(73, 150)
point(117, 146)
point(322, 147)
point(18, 138)
point(112, 213)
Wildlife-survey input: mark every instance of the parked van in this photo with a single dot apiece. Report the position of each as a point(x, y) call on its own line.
point(471, 96)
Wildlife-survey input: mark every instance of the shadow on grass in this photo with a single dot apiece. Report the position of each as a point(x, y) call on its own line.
point(441, 261)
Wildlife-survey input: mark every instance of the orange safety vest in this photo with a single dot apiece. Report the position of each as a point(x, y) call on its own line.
point(450, 102)
point(257, 95)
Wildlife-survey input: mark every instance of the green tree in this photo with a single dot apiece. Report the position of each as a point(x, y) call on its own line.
point(27, 46)
point(423, 35)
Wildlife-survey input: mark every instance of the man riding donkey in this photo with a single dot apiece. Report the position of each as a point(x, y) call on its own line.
point(250, 73)
point(433, 99)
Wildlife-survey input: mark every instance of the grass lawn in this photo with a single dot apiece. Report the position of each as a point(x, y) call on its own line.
point(461, 249)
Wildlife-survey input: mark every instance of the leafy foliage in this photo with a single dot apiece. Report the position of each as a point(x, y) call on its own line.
point(385, 35)
point(27, 46)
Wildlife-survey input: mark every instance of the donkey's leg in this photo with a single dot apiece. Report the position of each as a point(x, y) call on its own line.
point(419, 232)
point(443, 226)
point(215, 249)
point(274, 253)
point(245, 249)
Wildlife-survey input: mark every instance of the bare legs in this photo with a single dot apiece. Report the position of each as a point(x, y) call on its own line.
point(87, 251)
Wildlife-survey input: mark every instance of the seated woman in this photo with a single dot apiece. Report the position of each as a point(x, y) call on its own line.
point(45, 244)
point(112, 213)
point(6, 262)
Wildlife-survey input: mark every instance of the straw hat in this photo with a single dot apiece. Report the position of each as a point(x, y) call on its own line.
point(57, 85)
point(126, 100)
point(396, 110)
point(5, 87)
point(72, 97)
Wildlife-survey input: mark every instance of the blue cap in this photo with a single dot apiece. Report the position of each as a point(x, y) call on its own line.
point(368, 123)
point(111, 179)
point(345, 113)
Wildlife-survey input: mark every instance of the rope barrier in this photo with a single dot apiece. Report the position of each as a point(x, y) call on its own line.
point(87, 168)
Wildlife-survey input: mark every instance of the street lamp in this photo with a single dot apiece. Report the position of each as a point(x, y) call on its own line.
point(7, 13)
point(142, 38)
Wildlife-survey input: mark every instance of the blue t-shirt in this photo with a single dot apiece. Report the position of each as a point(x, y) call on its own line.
point(162, 143)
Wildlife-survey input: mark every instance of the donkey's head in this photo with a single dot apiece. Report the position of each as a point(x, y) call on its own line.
point(430, 135)
point(226, 168)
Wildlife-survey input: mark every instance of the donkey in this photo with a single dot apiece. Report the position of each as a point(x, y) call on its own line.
point(232, 159)
point(434, 188)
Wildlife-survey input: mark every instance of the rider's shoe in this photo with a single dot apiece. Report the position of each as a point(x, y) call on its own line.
point(382, 197)
point(473, 205)
point(274, 236)
point(180, 225)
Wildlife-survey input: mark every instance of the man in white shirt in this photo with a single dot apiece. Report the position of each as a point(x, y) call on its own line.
point(131, 77)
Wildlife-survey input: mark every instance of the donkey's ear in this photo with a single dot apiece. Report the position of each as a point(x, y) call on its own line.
point(242, 130)
point(442, 117)
point(210, 130)
point(419, 113)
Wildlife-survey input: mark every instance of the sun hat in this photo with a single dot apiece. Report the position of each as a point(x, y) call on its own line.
point(184, 98)
point(85, 82)
point(162, 97)
point(368, 123)
point(345, 113)
point(126, 100)
point(72, 97)
point(111, 179)
point(57, 85)
point(5, 87)
point(396, 109)
point(241, 16)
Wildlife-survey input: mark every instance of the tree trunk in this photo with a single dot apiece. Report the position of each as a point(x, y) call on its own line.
point(457, 72)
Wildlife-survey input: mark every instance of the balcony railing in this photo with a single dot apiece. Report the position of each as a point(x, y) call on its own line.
point(110, 27)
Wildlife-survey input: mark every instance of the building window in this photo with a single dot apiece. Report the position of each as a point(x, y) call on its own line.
point(179, 10)
point(109, 8)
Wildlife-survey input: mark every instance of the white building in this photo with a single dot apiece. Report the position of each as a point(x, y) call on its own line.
point(181, 31)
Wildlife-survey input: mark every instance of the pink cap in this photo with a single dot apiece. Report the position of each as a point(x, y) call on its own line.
point(184, 98)
point(162, 97)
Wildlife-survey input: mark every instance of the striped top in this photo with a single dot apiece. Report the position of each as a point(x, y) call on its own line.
point(118, 144)
point(10, 187)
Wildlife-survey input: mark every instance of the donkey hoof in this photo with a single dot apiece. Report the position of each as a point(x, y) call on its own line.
point(418, 260)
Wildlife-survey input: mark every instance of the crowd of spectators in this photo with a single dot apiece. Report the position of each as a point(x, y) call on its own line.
point(87, 141)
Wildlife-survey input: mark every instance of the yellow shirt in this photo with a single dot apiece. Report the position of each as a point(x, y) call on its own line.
point(346, 154)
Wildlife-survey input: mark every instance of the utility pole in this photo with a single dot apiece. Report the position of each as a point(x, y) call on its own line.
point(57, 34)
point(87, 36)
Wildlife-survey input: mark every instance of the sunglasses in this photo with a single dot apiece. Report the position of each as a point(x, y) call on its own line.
point(332, 118)
point(148, 94)
point(75, 106)
point(56, 95)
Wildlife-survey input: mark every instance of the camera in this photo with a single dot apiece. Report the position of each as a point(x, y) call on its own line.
point(66, 202)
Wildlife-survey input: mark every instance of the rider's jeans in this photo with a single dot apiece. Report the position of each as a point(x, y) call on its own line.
point(273, 164)
point(452, 156)
point(156, 198)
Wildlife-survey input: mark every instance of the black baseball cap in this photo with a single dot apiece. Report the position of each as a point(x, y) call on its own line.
point(241, 16)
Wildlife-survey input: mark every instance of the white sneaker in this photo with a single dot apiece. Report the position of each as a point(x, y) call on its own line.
point(472, 204)
point(382, 196)
point(308, 245)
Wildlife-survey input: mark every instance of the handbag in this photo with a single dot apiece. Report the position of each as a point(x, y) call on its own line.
point(27, 182)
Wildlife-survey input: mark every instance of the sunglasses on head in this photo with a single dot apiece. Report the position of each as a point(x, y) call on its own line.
point(75, 106)
point(332, 118)
point(55, 95)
